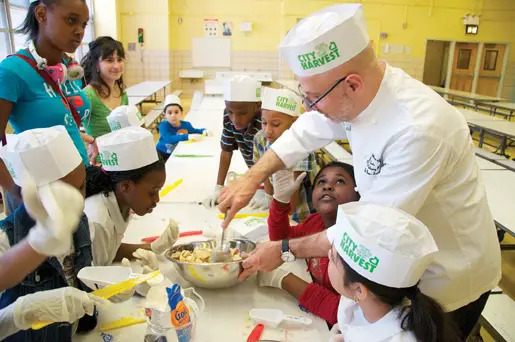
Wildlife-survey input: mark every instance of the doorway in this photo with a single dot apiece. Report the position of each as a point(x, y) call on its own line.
point(435, 63)
point(490, 69)
point(463, 66)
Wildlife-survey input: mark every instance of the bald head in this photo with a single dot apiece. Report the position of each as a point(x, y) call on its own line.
point(363, 75)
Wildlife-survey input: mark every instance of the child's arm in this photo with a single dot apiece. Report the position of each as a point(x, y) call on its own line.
point(317, 299)
point(193, 130)
point(279, 222)
point(295, 198)
point(223, 168)
point(168, 135)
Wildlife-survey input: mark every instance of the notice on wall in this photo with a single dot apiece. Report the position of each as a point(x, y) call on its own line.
point(211, 27)
point(227, 28)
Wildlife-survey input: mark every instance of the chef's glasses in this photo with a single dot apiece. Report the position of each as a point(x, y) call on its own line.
point(310, 104)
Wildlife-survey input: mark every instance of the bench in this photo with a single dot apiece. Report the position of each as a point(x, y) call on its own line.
point(495, 158)
point(151, 120)
point(497, 317)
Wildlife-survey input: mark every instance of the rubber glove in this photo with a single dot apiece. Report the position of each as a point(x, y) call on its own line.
point(261, 200)
point(146, 258)
point(66, 304)
point(272, 279)
point(285, 185)
point(57, 208)
point(212, 200)
point(335, 335)
point(167, 239)
point(142, 288)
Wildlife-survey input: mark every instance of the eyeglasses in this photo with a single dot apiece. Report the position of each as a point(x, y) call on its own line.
point(310, 104)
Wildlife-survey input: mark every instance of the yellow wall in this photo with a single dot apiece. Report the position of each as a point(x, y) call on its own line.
point(425, 19)
point(151, 15)
point(106, 14)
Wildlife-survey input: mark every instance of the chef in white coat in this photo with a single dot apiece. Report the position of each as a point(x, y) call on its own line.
point(411, 150)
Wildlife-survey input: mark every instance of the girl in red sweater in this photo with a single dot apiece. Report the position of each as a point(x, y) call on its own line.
point(333, 185)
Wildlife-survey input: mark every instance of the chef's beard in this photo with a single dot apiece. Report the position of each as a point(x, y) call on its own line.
point(344, 109)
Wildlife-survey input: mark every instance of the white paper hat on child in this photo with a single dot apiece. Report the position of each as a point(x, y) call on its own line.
point(242, 88)
point(383, 244)
point(325, 39)
point(172, 100)
point(124, 116)
point(281, 100)
point(129, 148)
point(45, 154)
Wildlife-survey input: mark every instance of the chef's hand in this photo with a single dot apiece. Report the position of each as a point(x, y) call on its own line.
point(66, 304)
point(285, 185)
point(212, 200)
point(266, 257)
point(260, 201)
point(335, 335)
point(236, 195)
point(167, 239)
point(57, 209)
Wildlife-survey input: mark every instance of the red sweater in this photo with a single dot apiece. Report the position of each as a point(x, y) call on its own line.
point(319, 298)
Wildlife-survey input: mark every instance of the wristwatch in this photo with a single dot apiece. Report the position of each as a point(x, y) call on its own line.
point(286, 254)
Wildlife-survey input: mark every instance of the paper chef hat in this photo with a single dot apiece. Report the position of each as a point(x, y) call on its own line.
point(172, 100)
point(325, 39)
point(44, 154)
point(383, 244)
point(124, 116)
point(242, 88)
point(129, 148)
point(281, 100)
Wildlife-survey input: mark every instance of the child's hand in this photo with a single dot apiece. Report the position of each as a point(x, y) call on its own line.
point(194, 136)
point(285, 185)
point(261, 200)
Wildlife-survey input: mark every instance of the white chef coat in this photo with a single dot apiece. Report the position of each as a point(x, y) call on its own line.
point(355, 328)
point(412, 150)
point(106, 226)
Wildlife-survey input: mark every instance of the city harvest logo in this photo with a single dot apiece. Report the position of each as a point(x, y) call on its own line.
point(286, 103)
point(359, 254)
point(108, 158)
point(323, 54)
point(115, 125)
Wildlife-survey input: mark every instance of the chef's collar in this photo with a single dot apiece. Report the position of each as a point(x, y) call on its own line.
point(381, 330)
point(114, 211)
point(373, 109)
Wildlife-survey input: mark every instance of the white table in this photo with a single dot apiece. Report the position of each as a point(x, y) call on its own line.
point(488, 165)
point(226, 315)
point(136, 100)
point(507, 108)
point(265, 77)
point(500, 187)
point(213, 87)
point(147, 88)
point(191, 74)
point(476, 98)
point(497, 317)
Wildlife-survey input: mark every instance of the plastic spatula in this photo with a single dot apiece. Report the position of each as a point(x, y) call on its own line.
point(110, 291)
point(273, 317)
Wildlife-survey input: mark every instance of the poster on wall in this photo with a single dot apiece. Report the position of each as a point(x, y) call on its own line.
point(227, 28)
point(211, 27)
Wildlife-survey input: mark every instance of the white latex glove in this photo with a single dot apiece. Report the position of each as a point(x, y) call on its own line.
point(272, 279)
point(195, 136)
point(212, 200)
point(285, 185)
point(142, 288)
point(167, 239)
point(146, 258)
point(261, 200)
point(66, 304)
point(57, 209)
point(335, 335)
point(206, 133)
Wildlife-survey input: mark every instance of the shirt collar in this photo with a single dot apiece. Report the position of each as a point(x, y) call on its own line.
point(115, 213)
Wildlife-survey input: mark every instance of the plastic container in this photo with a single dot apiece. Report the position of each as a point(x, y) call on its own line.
point(159, 325)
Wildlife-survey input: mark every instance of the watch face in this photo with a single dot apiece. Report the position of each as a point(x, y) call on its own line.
point(288, 257)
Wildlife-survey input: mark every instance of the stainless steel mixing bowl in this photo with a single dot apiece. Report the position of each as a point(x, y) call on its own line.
point(212, 275)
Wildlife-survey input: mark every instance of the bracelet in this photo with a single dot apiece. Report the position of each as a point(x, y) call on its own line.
point(94, 139)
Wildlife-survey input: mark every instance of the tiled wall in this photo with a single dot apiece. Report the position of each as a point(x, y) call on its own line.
point(147, 65)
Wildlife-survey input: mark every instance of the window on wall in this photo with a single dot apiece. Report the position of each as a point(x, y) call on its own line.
point(12, 15)
point(490, 60)
point(464, 58)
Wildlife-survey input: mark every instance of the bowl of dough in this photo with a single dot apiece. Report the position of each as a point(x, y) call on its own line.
point(193, 262)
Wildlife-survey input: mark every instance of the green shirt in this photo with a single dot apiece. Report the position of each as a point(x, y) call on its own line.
point(96, 123)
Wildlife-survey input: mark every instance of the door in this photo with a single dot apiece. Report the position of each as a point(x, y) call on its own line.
point(463, 66)
point(490, 70)
point(435, 62)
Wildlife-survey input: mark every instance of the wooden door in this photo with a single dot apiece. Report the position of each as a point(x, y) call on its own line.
point(490, 70)
point(463, 66)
